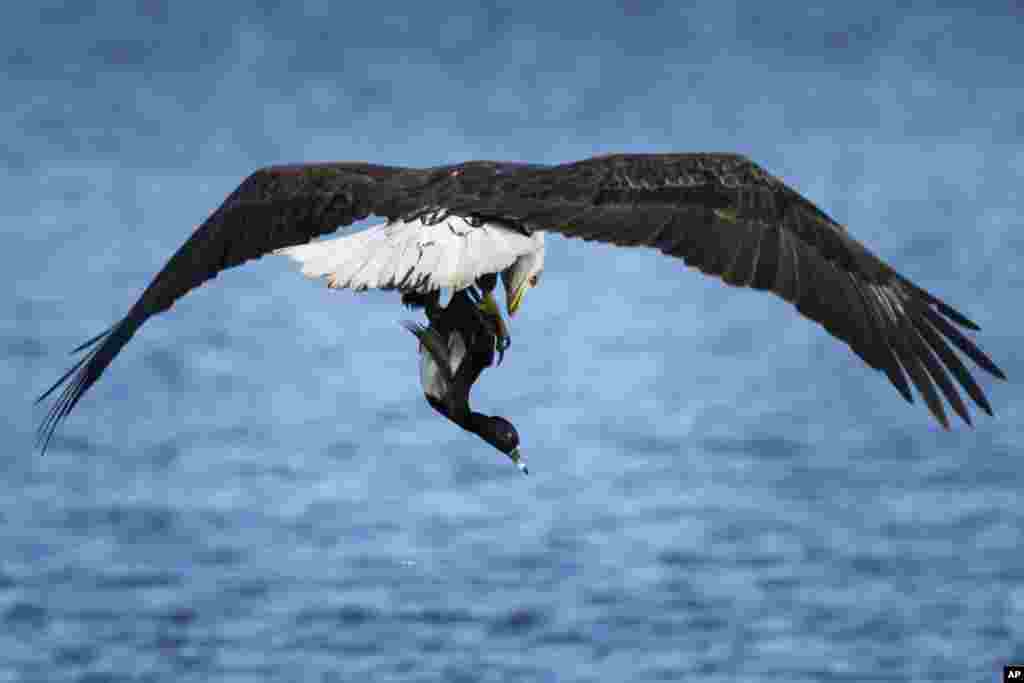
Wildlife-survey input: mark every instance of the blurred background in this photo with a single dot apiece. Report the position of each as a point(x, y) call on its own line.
point(256, 489)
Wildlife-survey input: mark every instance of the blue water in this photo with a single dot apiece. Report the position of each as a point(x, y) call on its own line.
point(257, 491)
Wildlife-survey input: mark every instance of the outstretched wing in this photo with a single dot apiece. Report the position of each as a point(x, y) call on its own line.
point(272, 208)
point(720, 213)
point(728, 217)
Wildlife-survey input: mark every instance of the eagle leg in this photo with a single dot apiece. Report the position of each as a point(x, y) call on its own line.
point(489, 315)
point(485, 302)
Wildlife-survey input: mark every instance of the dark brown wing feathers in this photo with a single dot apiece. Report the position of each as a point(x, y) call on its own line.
point(726, 216)
point(272, 208)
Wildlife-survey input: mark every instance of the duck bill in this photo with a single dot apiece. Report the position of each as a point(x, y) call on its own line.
point(516, 457)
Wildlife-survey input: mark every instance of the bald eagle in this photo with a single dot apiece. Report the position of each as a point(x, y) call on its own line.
point(456, 226)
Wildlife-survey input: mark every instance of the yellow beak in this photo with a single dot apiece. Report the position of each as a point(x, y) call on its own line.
point(517, 298)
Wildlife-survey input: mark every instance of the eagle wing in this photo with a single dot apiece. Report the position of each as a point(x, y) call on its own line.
point(728, 217)
point(273, 208)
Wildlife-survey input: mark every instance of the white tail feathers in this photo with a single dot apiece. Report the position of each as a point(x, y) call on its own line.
point(413, 256)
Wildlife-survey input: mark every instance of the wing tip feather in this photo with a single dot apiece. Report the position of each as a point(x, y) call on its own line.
point(77, 380)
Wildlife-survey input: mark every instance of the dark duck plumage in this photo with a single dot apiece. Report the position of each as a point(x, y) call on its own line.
point(454, 350)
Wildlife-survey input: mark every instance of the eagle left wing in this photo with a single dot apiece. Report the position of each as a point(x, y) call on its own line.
point(728, 217)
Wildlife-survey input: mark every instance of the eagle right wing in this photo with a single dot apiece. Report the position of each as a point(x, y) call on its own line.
point(273, 208)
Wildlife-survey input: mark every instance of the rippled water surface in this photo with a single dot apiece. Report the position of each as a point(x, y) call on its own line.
point(212, 515)
point(256, 489)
